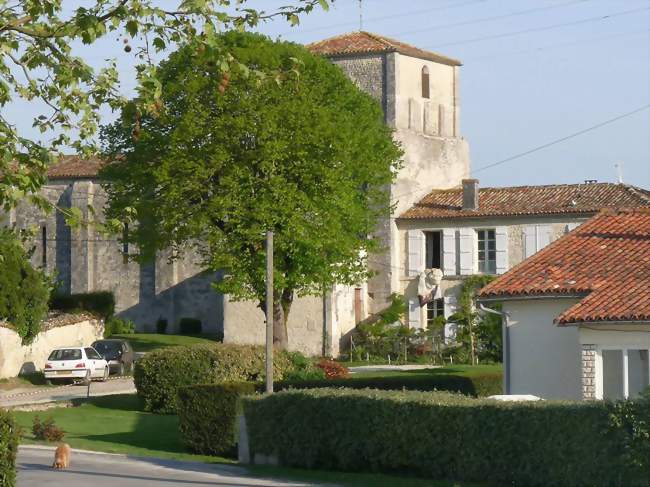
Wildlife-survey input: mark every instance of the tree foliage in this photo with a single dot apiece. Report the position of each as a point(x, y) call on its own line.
point(39, 65)
point(229, 156)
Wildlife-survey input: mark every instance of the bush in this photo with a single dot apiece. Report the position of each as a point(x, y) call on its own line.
point(8, 449)
point(24, 291)
point(444, 436)
point(303, 368)
point(161, 326)
point(160, 373)
point(118, 326)
point(102, 303)
point(47, 430)
point(189, 326)
point(478, 385)
point(332, 369)
point(207, 416)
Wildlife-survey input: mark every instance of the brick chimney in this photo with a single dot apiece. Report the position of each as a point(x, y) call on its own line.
point(470, 194)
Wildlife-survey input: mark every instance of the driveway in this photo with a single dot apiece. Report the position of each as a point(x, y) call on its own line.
point(106, 470)
point(20, 397)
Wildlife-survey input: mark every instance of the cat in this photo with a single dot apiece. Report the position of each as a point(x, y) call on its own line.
point(62, 456)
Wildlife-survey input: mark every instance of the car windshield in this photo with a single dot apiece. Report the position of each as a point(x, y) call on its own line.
point(66, 354)
point(106, 347)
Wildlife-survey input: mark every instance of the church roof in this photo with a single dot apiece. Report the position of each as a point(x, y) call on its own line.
point(73, 167)
point(588, 198)
point(362, 42)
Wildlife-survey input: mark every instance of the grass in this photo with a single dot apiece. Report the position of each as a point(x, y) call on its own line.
point(462, 370)
point(117, 424)
point(146, 342)
point(35, 379)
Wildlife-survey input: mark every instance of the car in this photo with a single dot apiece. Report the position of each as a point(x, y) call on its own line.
point(118, 353)
point(80, 363)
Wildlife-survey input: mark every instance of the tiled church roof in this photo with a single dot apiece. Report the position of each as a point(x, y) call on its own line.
point(368, 43)
point(72, 167)
point(606, 259)
point(530, 200)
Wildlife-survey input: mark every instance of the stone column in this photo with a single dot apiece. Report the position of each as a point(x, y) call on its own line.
point(589, 371)
point(82, 248)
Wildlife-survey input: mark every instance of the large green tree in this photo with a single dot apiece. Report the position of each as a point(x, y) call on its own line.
point(39, 65)
point(228, 156)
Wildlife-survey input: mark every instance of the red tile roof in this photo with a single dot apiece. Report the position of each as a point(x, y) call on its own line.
point(367, 43)
point(605, 261)
point(530, 200)
point(72, 167)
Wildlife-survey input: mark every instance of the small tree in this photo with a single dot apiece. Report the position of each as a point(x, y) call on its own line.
point(227, 156)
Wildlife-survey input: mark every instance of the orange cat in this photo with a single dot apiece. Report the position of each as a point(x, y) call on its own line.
point(62, 456)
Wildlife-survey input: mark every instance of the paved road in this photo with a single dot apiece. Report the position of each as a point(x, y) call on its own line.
point(105, 470)
point(65, 393)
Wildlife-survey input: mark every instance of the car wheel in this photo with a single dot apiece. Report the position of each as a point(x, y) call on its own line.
point(86, 380)
point(49, 382)
point(120, 369)
point(106, 372)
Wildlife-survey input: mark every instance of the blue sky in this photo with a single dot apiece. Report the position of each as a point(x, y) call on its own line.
point(527, 78)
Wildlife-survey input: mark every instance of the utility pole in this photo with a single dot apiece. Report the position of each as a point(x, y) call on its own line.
point(269, 312)
point(360, 15)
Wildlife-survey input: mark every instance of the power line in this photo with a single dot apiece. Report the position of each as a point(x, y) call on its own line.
point(562, 139)
point(541, 29)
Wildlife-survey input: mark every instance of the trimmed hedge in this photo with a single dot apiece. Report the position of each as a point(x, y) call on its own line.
point(477, 385)
point(160, 373)
point(207, 416)
point(102, 303)
point(8, 449)
point(444, 436)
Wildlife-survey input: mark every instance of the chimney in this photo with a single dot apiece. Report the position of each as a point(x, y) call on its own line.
point(470, 194)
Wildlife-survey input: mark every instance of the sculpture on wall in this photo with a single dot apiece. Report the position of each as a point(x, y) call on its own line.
point(429, 285)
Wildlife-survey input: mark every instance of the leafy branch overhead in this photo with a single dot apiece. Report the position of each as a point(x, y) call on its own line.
point(39, 65)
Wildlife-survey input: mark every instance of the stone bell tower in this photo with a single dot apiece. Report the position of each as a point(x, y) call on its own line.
point(418, 91)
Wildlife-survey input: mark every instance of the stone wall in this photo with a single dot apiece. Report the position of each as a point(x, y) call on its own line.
point(63, 331)
point(367, 72)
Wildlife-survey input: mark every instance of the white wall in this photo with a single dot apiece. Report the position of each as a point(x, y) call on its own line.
point(14, 356)
point(545, 360)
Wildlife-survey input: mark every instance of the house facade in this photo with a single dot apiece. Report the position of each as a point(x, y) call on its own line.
point(577, 314)
point(471, 230)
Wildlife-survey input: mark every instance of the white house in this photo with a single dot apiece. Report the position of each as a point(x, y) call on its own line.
point(577, 314)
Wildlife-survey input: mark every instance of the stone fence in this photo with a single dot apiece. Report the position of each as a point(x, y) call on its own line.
point(58, 331)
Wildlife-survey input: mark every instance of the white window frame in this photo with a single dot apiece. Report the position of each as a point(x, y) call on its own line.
point(599, 366)
point(476, 260)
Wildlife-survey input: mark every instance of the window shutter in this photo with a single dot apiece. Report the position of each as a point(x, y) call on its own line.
point(467, 242)
point(530, 241)
point(415, 249)
point(501, 235)
point(543, 236)
point(414, 313)
point(449, 251)
point(450, 309)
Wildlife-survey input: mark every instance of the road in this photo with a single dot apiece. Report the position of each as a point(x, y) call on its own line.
point(106, 470)
point(20, 397)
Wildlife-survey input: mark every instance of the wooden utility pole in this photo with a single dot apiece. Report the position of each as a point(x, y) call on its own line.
point(269, 312)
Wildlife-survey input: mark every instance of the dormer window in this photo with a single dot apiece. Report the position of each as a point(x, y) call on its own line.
point(425, 82)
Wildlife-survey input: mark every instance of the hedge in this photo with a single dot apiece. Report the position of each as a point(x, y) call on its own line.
point(160, 373)
point(102, 303)
point(445, 436)
point(207, 416)
point(476, 385)
point(8, 449)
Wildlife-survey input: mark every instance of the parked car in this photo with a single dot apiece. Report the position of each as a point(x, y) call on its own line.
point(83, 363)
point(118, 353)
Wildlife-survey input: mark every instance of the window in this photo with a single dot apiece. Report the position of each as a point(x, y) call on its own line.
point(625, 372)
point(487, 251)
point(425, 82)
point(435, 308)
point(433, 257)
point(92, 354)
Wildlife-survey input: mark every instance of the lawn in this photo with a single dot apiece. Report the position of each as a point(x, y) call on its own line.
point(117, 424)
point(462, 370)
point(146, 342)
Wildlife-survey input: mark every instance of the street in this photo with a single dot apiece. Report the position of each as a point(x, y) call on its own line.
point(106, 470)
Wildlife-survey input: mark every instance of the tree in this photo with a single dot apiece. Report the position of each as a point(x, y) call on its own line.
point(38, 64)
point(229, 156)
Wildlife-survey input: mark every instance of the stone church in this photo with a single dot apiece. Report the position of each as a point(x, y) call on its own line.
point(419, 92)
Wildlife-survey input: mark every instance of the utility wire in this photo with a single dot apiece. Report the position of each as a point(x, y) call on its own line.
point(541, 29)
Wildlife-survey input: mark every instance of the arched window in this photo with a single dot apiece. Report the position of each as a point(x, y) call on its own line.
point(425, 82)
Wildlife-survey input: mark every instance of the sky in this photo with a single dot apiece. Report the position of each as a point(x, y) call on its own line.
point(533, 72)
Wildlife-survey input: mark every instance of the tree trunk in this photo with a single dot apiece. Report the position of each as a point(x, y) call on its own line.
point(281, 310)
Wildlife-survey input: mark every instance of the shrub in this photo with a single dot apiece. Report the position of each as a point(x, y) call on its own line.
point(207, 416)
point(47, 430)
point(102, 303)
point(161, 326)
point(332, 369)
point(24, 291)
point(9, 437)
point(303, 368)
point(118, 326)
point(477, 385)
point(444, 436)
point(160, 373)
point(189, 326)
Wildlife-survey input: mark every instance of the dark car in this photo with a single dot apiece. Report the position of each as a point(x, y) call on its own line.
point(118, 353)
